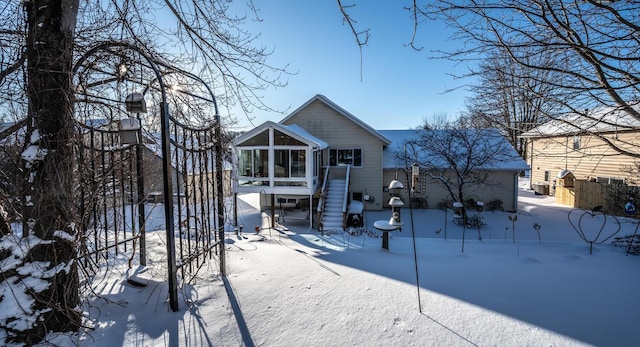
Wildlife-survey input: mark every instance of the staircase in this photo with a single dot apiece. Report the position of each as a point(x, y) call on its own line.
point(332, 216)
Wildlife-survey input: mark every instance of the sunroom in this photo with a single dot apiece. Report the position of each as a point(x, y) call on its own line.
point(283, 161)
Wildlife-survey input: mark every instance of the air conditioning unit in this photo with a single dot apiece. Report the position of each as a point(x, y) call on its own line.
point(541, 188)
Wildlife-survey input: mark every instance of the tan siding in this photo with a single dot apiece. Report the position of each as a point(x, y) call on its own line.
point(594, 158)
point(342, 133)
point(498, 186)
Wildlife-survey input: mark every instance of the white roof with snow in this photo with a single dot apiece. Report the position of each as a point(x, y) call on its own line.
point(509, 160)
point(599, 120)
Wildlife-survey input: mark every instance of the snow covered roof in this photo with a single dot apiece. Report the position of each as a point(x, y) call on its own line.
point(508, 160)
point(340, 111)
point(599, 120)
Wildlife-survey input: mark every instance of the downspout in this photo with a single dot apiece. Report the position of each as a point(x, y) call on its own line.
point(531, 165)
point(515, 189)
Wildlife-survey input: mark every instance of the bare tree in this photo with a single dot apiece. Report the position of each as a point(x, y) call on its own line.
point(505, 97)
point(40, 40)
point(460, 157)
point(591, 47)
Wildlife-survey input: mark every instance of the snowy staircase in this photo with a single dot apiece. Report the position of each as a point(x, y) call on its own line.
point(332, 215)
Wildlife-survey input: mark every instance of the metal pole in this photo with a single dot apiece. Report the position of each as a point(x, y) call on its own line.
point(413, 232)
point(141, 198)
point(168, 207)
point(235, 209)
point(385, 240)
point(220, 192)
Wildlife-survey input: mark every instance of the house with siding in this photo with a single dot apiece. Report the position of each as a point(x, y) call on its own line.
point(321, 158)
point(598, 147)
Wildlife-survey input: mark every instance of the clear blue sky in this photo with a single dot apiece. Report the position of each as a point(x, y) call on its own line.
point(399, 86)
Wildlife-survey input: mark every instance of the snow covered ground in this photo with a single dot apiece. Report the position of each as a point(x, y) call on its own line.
point(295, 287)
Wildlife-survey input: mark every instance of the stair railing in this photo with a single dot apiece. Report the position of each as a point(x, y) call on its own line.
point(346, 197)
point(323, 193)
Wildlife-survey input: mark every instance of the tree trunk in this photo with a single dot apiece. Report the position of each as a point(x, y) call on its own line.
point(49, 169)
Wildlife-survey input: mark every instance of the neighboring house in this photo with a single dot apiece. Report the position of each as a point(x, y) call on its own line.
point(324, 153)
point(193, 171)
point(581, 145)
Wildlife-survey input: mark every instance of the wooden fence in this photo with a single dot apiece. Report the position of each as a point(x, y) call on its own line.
point(587, 195)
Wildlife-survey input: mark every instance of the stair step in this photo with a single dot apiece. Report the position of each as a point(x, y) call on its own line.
point(332, 216)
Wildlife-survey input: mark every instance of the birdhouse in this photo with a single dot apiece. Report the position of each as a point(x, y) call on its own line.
point(565, 178)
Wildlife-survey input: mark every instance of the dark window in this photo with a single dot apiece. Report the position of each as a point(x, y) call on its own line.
point(290, 163)
point(253, 163)
point(351, 157)
point(281, 139)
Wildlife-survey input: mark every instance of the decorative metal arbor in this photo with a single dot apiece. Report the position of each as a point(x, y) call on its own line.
point(129, 161)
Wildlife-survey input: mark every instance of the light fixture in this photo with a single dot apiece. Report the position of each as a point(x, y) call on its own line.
point(135, 103)
point(128, 129)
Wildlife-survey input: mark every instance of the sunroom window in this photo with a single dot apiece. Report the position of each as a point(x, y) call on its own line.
point(290, 163)
point(261, 139)
point(254, 163)
point(281, 139)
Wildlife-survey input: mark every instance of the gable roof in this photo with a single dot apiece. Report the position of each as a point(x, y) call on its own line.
point(292, 130)
point(342, 112)
point(600, 120)
point(510, 160)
